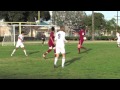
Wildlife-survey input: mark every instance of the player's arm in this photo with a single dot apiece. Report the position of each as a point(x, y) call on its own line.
point(65, 39)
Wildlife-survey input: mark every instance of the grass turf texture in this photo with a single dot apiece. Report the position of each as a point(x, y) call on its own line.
point(101, 61)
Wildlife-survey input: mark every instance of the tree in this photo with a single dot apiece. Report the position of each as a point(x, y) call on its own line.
point(111, 25)
point(23, 16)
point(68, 18)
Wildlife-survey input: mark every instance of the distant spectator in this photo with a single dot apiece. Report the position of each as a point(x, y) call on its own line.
point(43, 37)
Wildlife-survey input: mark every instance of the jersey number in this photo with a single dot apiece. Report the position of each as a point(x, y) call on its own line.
point(59, 36)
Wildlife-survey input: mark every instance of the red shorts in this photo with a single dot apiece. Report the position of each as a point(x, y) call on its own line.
point(51, 45)
point(81, 41)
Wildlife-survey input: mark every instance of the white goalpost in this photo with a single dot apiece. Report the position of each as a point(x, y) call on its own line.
point(9, 36)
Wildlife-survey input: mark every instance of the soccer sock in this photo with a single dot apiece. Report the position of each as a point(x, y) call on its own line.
point(55, 62)
point(54, 50)
point(25, 52)
point(48, 52)
point(79, 50)
point(63, 62)
point(13, 51)
point(118, 45)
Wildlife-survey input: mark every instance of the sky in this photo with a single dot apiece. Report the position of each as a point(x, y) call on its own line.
point(107, 14)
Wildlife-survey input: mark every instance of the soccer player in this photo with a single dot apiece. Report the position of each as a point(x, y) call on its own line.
point(20, 43)
point(118, 39)
point(43, 38)
point(51, 43)
point(81, 39)
point(60, 46)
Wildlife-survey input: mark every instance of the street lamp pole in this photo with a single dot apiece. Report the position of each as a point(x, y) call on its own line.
point(38, 15)
point(117, 22)
point(92, 25)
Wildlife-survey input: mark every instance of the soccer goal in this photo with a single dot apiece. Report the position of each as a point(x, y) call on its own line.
point(9, 35)
point(31, 33)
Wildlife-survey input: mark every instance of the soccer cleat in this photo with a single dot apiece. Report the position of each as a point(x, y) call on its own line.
point(11, 55)
point(44, 56)
point(26, 55)
point(55, 66)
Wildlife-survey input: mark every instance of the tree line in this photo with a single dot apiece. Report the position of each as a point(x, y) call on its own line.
point(73, 19)
point(76, 19)
point(23, 16)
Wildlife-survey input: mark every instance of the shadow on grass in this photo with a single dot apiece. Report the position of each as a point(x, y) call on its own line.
point(34, 52)
point(86, 51)
point(72, 61)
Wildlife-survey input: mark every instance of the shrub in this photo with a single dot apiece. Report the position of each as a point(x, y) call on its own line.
point(1, 39)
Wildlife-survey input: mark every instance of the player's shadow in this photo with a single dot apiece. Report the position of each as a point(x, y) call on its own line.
point(72, 61)
point(86, 51)
point(34, 52)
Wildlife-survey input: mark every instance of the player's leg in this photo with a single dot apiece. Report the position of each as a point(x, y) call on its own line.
point(54, 50)
point(79, 46)
point(24, 50)
point(17, 46)
point(48, 51)
point(63, 56)
point(82, 46)
point(14, 51)
point(57, 56)
point(44, 41)
point(118, 43)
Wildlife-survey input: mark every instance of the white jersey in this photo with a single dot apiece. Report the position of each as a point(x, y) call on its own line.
point(60, 39)
point(20, 38)
point(20, 41)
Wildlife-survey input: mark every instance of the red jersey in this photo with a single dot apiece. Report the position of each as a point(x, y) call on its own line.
point(51, 36)
point(81, 34)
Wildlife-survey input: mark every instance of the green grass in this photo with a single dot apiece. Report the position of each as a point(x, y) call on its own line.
point(101, 61)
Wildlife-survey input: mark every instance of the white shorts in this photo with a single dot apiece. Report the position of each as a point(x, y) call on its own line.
point(118, 41)
point(60, 50)
point(19, 44)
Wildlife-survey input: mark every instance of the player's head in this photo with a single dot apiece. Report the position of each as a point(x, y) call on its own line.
point(62, 28)
point(22, 32)
point(53, 29)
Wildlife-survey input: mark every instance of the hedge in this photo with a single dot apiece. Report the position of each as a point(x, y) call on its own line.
point(96, 38)
point(73, 38)
point(1, 39)
point(102, 38)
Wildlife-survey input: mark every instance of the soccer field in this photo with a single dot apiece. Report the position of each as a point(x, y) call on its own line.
point(100, 61)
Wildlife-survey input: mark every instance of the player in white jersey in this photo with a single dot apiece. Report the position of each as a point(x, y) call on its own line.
point(60, 45)
point(20, 43)
point(118, 39)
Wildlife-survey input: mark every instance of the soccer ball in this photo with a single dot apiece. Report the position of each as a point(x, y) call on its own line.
point(85, 38)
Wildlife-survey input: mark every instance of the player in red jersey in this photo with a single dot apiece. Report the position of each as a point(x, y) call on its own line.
point(81, 39)
point(51, 43)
